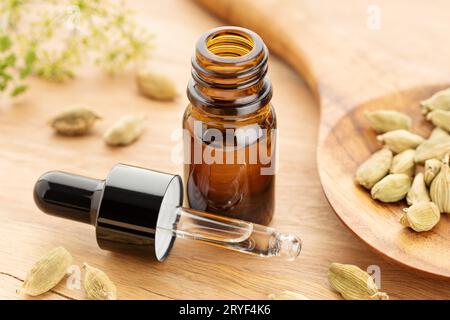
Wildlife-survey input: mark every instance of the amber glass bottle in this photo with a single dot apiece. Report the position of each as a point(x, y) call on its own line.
point(230, 127)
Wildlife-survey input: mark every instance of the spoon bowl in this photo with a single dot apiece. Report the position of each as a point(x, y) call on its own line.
point(350, 142)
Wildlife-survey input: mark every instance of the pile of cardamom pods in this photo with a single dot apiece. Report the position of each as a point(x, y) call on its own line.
point(410, 166)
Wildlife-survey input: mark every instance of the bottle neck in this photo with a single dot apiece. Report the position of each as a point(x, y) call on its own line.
point(229, 71)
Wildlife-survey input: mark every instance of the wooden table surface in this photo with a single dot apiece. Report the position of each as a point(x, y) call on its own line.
point(193, 271)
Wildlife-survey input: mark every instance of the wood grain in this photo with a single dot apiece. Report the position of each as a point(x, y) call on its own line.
point(349, 66)
point(193, 271)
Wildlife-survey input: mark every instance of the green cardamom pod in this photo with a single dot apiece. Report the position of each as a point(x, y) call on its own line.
point(125, 131)
point(404, 163)
point(155, 86)
point(387, 120)
point(438, 133)
point(97, 285)
point(440, 187)
point(400, 140)
point(74, 121)
point(353, 283)
point(418, 191)
point(420, 217)
point(438, 101)
point(432, 149)
point(391, 188)
point(375, 168)
point(432, 168)
point(47, 272)
point(440, 118)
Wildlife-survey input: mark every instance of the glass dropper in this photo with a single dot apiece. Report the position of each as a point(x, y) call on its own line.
point(233, 234)
point(137, 208)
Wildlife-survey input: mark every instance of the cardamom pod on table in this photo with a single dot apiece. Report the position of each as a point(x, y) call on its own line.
point(432, 149)
point(404, 163)
point(74, 121)
point(438, 101)
point(418, 191)
point(125, 131)
point(387, 120)
point(440, 118)
point(287, 295)
point(353, 283)
point(155, 86)
point(391, 188)
point(440, 187)
point(400, 140)
point(47, 272)
point(432, 168)
point(422, 216)
point(97, 285)
point(375, 168)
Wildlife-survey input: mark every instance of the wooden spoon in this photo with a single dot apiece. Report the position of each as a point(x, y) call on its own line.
point(356, 57)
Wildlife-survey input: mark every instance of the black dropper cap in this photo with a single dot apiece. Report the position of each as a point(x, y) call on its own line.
point(133, 209)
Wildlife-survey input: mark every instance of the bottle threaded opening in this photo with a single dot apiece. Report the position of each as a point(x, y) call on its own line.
point(229, 43)
point(229, 70)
